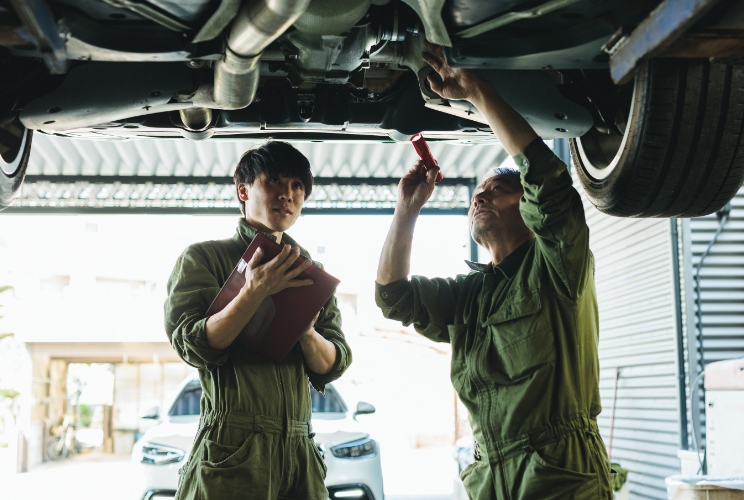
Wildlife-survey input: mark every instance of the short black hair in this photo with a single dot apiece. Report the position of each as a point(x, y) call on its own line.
point(273, 158)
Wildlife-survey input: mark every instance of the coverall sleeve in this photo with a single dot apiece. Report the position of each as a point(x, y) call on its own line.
point(552, 209)
point(191, 289)
point(428, 304)
point(328, 326)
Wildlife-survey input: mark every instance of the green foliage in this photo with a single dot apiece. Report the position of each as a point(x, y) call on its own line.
point(86, 415)
point(8, 393)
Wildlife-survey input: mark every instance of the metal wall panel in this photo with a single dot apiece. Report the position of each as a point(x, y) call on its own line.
point(721, 282)
point(635, 290)
point(721, 295)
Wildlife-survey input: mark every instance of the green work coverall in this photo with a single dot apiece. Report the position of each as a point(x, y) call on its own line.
point(524, 339)
point(254, 440)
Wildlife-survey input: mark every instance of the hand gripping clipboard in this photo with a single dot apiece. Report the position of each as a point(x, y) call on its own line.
point(281, 318)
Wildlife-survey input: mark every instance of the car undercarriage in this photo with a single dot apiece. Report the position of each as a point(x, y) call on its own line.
point(353, 70)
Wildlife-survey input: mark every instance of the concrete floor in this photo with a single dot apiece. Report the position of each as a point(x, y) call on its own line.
point(410, 474)
point(86, 476)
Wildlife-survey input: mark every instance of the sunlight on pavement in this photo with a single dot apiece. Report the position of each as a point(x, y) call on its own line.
point(83, 477)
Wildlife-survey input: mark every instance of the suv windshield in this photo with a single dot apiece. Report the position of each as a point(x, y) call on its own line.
point(188, 401)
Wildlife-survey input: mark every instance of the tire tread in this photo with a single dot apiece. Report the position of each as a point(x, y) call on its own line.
point(685, 156)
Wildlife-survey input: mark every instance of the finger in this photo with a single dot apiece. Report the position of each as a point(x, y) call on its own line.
point(431, 46)
point(431, 176)
point(432, 60)
point(293, 273)
point(298, 283)
point(255, 260)
point(277, 261)
point(293, 255)
point(416, 173)
point(314, 321)
point(436, 50)
point(417, 167)
point(435, 82)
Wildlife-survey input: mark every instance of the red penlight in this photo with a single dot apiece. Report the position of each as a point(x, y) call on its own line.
point(423, 152)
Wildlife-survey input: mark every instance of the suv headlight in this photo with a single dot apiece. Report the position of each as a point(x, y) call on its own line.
point(366, 447)
point(157, 454)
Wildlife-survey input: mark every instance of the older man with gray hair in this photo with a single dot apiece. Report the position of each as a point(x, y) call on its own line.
point(524, 327)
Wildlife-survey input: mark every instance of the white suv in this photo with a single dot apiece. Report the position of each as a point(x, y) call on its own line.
point(352, 456)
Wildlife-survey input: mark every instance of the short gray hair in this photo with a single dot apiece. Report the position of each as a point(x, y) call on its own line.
point(502, 171)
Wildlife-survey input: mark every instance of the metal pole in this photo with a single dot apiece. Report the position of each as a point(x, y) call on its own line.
point(684, 439)
point(612, 418)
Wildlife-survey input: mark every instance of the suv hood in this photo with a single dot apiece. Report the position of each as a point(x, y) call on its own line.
point(181, 433)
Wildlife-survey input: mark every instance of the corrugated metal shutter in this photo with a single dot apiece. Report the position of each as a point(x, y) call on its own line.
point(721, 293)
point(721, 282)
point(635, 289)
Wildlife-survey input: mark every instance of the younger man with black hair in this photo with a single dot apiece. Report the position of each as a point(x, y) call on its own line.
point(254, 439)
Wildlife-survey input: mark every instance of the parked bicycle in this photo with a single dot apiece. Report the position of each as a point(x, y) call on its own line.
point(62, 441)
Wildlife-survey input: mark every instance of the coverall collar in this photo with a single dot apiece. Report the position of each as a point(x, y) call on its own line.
point(245, 234)
point(508, 266)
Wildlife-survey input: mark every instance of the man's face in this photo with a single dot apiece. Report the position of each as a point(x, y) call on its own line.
point(273, 203)
point(494, 208)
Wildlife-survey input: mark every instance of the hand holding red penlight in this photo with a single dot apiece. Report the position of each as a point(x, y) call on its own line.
point(423, 152)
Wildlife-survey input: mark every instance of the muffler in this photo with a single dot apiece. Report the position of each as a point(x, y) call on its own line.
point(256, 26)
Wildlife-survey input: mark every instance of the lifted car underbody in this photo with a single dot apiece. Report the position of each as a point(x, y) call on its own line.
point(352, 69)
point(317, 68)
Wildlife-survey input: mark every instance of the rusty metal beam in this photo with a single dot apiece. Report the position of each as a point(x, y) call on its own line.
point(14, 35)
point(654, 35)
point(721, 44)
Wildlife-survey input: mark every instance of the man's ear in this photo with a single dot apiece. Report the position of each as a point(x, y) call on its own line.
point(243, 191)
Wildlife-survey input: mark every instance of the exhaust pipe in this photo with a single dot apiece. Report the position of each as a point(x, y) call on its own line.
point(256, 26)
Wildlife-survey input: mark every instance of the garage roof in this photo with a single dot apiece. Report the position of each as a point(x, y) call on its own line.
point(180, 176)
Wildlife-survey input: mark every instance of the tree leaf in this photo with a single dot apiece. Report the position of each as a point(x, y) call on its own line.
point(9, 393)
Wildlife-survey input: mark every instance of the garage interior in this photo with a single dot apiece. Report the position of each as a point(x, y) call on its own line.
point(659, 326)
point(76, 176)
point(670, 291)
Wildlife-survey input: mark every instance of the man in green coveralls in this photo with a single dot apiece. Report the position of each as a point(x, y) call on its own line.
point(523, 328)
point(254, 440)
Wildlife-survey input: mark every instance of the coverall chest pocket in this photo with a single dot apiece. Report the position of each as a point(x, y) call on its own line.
point(520, 337)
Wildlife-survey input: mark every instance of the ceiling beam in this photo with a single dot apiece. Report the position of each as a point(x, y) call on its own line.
point(204, 180)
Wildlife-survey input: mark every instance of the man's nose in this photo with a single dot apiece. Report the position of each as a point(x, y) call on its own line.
point(479, 199)
point(286, 192)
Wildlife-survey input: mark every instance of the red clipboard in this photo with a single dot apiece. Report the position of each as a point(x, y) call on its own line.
point(281, 318)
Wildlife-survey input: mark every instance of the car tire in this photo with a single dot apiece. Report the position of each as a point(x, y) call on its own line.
point(15, 150)
point(682, 152)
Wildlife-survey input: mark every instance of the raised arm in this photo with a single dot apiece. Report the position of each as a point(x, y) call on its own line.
point(428, 304)
point(510, 128)
point(414, 190)
point(551, 208)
